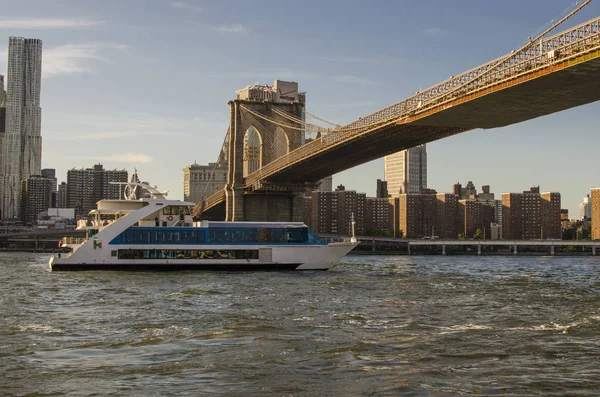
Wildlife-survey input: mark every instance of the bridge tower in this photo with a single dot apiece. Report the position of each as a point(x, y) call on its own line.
point(253, 143)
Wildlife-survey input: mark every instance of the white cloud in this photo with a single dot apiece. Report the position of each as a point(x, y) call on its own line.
point(75, 58)
point(70, 58)
point(233, 29)
point(46, 23)
point(183, 5)
point(432, 32)
point(139, 158)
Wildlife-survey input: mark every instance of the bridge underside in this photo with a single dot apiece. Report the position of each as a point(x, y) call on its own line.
point(524, 98)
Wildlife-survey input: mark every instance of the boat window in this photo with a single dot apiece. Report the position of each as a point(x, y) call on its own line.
point(264, 235)
point(174, 210)
point(167, 211)
point(297, 235)
point(186, 254)
point(278, 235)
point(147, 235)
point(247, 235)
point(315, 238)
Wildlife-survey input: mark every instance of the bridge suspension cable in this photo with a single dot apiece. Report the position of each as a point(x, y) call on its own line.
point(500, 61)
point(321, 119)
point(315, 128)
point(561, 17)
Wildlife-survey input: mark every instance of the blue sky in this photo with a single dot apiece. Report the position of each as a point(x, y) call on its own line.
point(145, 83)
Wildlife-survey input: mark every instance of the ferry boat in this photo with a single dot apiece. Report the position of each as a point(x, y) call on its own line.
point(155, 233)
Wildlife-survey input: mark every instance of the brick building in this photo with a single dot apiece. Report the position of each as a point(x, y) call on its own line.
point(595, 212)
point(531, 215)
point(85, 187)
point(35, 197)
point(378, 216)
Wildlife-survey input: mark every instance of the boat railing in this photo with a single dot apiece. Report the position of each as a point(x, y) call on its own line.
point(72, 241)
point(338, 239)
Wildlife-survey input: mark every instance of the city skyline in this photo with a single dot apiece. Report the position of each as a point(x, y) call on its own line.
point(125, 99)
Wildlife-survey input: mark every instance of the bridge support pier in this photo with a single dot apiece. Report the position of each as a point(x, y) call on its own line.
point(408, 245)
point(443, 249)
point(234, 204)
point(593, 250)
point(515, 249)
point(272, 207)
point(479, 249)
point(551, 250)
point(373, 245)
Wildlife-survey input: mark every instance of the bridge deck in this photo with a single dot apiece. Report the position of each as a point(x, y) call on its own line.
point(539, 93)
point(532, 92)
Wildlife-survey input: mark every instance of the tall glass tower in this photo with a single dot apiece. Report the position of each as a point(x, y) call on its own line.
point(22, 143)
point(406, 171)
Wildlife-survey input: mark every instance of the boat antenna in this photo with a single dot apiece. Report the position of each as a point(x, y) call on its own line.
point(353, 238)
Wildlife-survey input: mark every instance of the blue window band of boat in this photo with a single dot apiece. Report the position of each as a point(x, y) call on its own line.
point(186, 254)
point(218, 235)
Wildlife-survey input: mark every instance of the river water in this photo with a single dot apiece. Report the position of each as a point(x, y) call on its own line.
point(371, 326)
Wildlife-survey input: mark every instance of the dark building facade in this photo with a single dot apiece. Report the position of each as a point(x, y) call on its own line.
point(475, 215)
point(351, 204)
point(61, 195)
point(85, 187)
point(382, 189)
point(595, 204)
point(417, 214)
point(35, 197)
point(324, 212)
point(447, 221)
point(378, 216)
point(531, 215)
point(50, 174)
point(551, 216)
point(2, 120)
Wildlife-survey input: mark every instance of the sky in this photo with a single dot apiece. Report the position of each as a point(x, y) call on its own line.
point(145, 83)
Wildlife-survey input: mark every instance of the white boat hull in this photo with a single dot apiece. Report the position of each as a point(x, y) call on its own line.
point(288, 257)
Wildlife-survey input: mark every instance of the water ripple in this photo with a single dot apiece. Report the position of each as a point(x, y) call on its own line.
point(380, 326)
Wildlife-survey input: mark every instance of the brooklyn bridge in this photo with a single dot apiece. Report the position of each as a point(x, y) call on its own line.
point(273, 154)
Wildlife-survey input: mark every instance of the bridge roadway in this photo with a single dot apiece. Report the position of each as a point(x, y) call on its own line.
point(554, 74)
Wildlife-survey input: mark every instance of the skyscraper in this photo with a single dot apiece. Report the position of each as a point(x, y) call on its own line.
point(585, 209)
point(406, 171)
point(50, 174)
point(2, 111)
point(22, 143)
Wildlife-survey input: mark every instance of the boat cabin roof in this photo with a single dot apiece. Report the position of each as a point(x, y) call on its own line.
point(126, 206)
point(267, 225)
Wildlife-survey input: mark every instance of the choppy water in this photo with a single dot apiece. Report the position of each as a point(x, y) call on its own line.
point(371, 326)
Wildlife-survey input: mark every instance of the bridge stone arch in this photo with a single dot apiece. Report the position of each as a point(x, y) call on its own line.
point(281, 143)
point(278, 137)
point(252, 154)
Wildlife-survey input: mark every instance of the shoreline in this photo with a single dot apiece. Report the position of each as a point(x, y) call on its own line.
point(404, 253)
